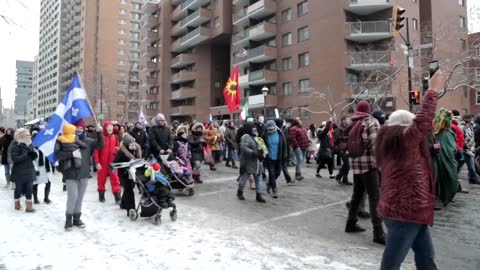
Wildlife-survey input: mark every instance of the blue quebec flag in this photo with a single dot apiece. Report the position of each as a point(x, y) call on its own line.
point(74, 106)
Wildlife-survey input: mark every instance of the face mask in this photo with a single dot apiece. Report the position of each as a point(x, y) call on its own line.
point(109, 129)
point(80, 135)
point(131, 146)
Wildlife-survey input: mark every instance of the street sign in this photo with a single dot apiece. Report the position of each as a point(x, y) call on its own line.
point(410, 62)
point(404, 47)
point(424, 46)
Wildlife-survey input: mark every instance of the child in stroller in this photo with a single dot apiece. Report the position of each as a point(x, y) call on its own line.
point(158, 186)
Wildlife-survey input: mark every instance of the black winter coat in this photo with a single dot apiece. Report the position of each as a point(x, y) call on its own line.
point(325, 143)
point(5, 142)
point(140, 137)
point(123, 172)
point(87, 145)
point(23, 169)
point(160, 139)
point(196, 146)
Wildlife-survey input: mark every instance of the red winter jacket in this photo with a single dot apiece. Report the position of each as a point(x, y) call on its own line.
point(298, 137)
point(106, 155)
point(459, 136)
point(408, 188)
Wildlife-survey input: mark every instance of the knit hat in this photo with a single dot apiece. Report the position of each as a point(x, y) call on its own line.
point(160, 117)
point(80, 123)
point(271, 123)
point(128, 139)
point(363, 106)
point(380, 116)
point(155, 166)
point(279, 122)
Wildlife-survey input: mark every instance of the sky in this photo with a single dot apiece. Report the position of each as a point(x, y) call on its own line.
point(20, 41)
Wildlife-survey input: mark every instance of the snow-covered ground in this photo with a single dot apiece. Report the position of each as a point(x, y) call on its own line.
point(112, 241)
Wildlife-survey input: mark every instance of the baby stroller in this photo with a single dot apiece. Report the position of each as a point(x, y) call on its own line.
point(148, 205)
point(183, 184)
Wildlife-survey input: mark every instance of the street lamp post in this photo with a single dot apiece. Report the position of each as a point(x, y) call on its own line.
point(265, 93)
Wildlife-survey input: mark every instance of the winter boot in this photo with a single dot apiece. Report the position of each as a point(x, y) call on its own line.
point(228, 164)
point(274, 193)
point(240, 195)
point(68, 222)
point(101, 196)
point(379, 235)
point(118, 198)
point(29, 207)
point(260, 199)
point(474, 181)
point(352, 227)
point(64, 187)
point(77, 221)
point(47, 193)
point(346, 182)
point(363, 214)
point(299, 177)
point(196, 178)
point(18, 206)
point(234, 166)
point(35, 195)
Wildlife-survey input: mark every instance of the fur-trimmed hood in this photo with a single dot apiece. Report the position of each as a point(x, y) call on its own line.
point(181, 128)
point(197, 125)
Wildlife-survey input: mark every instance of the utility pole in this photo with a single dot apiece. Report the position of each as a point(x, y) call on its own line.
point(409, 63)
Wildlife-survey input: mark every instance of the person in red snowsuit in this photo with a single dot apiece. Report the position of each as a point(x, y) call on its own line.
point(102, 158)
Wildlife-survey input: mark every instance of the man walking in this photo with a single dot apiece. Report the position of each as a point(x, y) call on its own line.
point(299, 142)
point(362, 134)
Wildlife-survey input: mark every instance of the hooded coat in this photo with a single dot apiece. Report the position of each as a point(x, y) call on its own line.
point(195, 142)
point(213, 138)
point(249, 162)
point(106, 155)
point(23, 169)
point(140, 137)
point(5, 142)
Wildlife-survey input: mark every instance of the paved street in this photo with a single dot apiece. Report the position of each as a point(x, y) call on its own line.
point(303, 229)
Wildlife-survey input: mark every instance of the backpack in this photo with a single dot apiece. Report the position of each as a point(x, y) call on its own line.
point(355, 144)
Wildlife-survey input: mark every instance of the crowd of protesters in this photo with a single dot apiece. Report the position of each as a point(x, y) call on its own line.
point(406, 163)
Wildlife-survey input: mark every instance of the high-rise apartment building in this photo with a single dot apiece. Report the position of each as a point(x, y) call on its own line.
point(474, 67)
point(24, 88)
point(109, 57)
point(312, 57)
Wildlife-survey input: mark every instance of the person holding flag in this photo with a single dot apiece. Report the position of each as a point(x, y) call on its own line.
point(72, 109)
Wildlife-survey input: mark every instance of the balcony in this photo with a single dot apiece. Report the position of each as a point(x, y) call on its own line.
point(183, 110)
point(258, 55)
point(191, 39)
point(257, 101)
point(367, 7)
point(182, 60)
point(150, 6)
point(255, 11)
point(259, 77)
point(197, 18)
point(184, 93)
point(240, 3)
point(368, 89)
point(149, 21)
point(151, 51)
point(363, 32)
point(366, 61)
point(150, 81)
point(258, 32)
point(183, 76)
point(150, 36)
point(182, 10)
point(151, 66)
point(151, 96)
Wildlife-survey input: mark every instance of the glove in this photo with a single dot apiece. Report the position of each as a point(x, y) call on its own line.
point(77, 154)
point(32, 155)
point(99, 128)
point(260, 154)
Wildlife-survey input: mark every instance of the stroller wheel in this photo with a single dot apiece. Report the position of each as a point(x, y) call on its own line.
point(132, 214)
point(190, 192)
point(157, 219)
point(173, 215)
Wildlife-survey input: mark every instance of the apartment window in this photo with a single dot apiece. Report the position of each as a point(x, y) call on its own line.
point(123, 11)
point(287, 64)
point(120, 83)
point(121, 63)
point(287, 39)
point(121, 42)
point(123, 2)
point(477, 50)
point(304, 85)
point(303, 34)
point(216, 22)
point(304, 112)
point(415, 24)
point(286, 15)
point(122, 32)
point(287, 89)
point(121, 52)
point(477, 74)
point(463, 44)
point(477, 97)
point(461, 3)
point(302, 8)
point(273, 90)
point(463, 23)
point(122, 21)
point(303, 60)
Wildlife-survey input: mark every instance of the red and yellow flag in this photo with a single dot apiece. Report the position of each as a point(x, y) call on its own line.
point(231, 92)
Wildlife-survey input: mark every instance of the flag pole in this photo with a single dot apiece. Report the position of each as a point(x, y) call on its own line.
point(86, 95)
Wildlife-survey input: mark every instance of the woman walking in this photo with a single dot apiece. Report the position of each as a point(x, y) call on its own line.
point(407, 196)
point(251, 159)
point(23, 170)
point(196, 143)
point(312, 143)
point(231, 144)
point(213, 138)
point(325, 153)
point(5, 142)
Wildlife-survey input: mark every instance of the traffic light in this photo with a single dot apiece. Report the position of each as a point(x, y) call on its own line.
point(415, 97)
point(398, 18)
